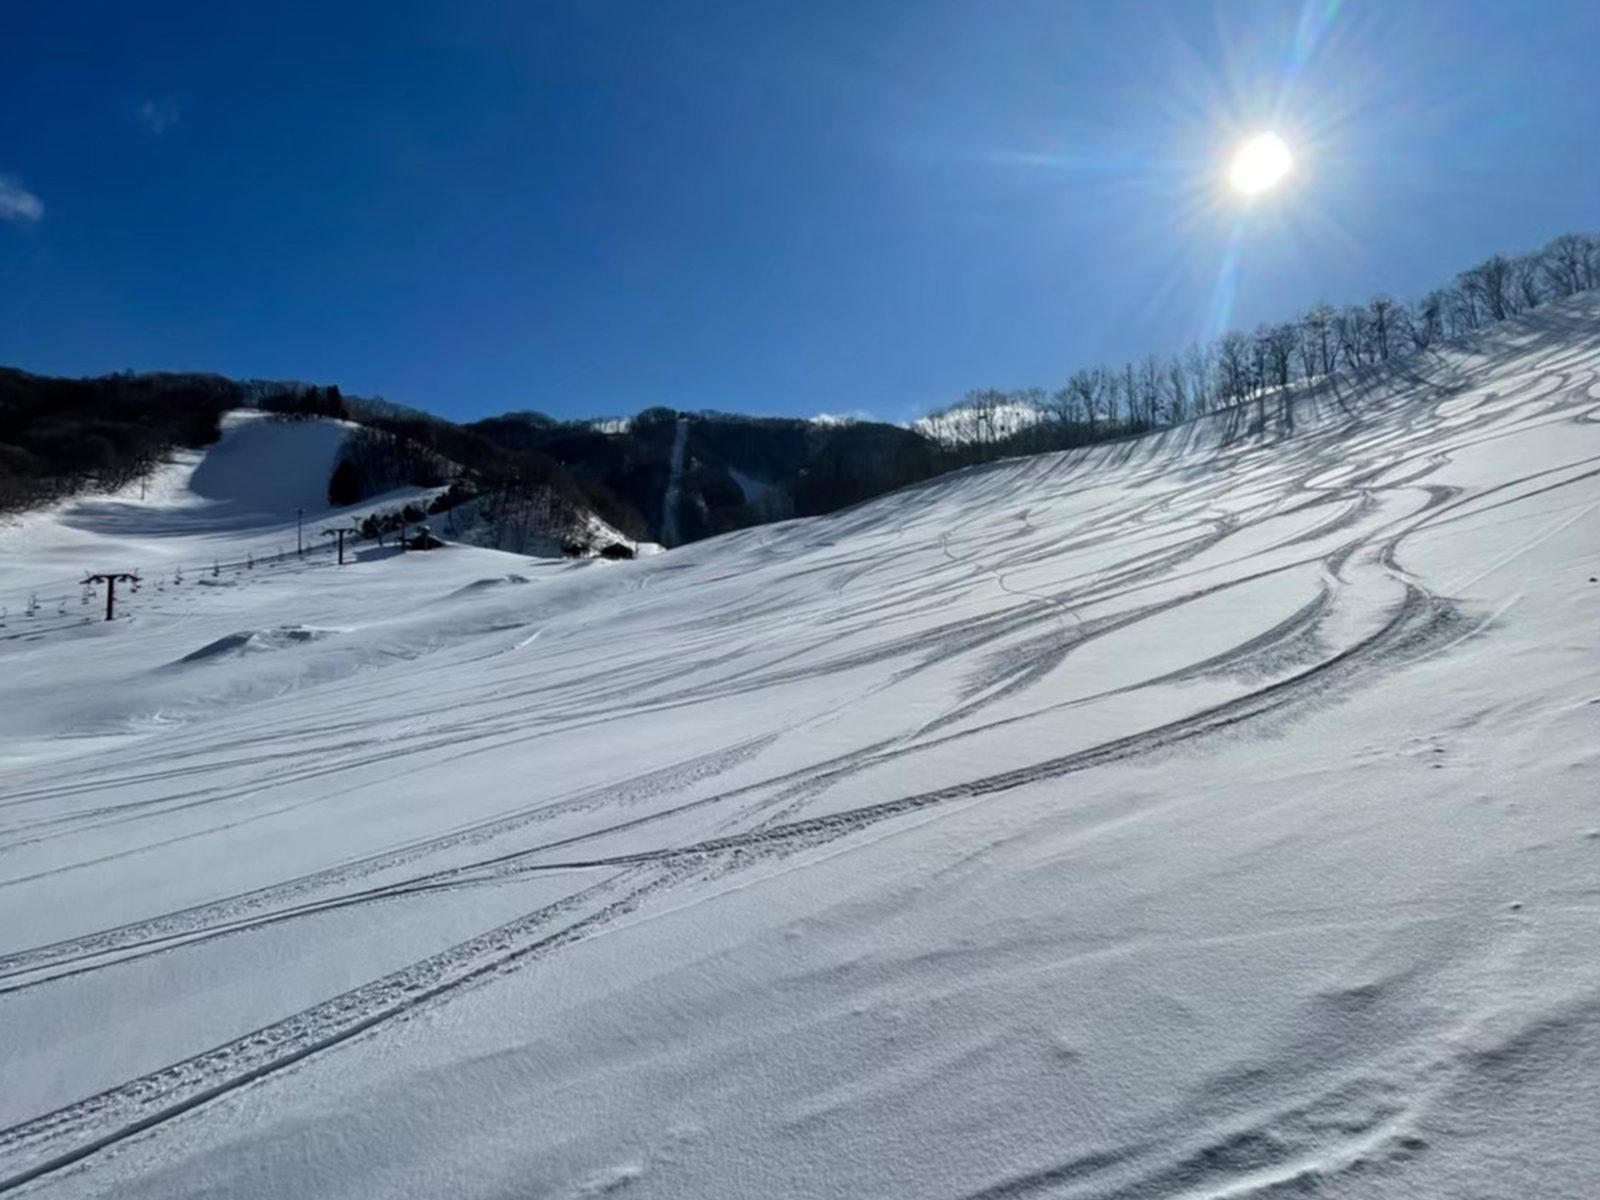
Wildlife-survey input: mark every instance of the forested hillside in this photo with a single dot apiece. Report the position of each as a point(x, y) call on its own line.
point(744, 470)
point(1252, 370)
point(59, 436)
point(62, 436)
point(737, 470)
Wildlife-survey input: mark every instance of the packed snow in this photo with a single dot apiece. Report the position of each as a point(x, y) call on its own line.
point(1207, 815)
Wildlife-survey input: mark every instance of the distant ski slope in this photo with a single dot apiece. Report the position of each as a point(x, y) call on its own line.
point(260, 491)
point(1207, 815)
point(674, 493)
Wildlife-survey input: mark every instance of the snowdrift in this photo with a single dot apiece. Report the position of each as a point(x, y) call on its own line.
point(254, 641)
point(1206, 815)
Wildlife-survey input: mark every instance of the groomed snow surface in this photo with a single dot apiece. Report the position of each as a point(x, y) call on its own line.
point(1212, 815)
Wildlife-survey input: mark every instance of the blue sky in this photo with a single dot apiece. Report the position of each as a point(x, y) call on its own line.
point(588, 207)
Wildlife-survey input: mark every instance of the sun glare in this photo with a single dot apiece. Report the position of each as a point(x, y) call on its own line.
point(1260, 164)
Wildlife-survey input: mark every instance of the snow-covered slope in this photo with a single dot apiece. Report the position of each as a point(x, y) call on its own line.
point(262, 490)
point(259, 495)
point(1202, 816)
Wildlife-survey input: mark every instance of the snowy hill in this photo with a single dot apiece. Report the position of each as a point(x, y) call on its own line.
point(262, 486)
point(1205, 815)
point(259, 493)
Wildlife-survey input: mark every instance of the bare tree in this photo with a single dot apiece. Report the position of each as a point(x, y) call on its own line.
point(1261, 359)
point(1200, 364)
point(1426, 321)
point(1350, 334)
point(1567, 264)
point(1319, 327)
point(1591, 260)
point(1110, 396)
point(1087, 387)
point(1061, 408)
point(1238, 368)
point(1150, 390)
point(1280, 343)
point(985, 406)
point(1233, 366)
point(1305, 347)
point(1489, 285)
point(1107, 394)
point(1177, 392)
point(1527, 272)
point(1031, 404)
point(1461, 309)
point(1380, 319)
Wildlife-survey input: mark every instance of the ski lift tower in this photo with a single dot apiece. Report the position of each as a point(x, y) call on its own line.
point(111, 579)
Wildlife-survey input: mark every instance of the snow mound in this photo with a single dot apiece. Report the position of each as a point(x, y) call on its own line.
point(489, 584)
point(254, 641)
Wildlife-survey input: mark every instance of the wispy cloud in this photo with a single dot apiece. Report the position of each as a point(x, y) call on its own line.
point(156, 117)
point(17, 203)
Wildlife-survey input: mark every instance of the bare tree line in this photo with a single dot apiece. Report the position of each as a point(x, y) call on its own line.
point(1238, 368)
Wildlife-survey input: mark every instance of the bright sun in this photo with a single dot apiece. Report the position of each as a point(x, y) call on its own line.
point(1261, 163)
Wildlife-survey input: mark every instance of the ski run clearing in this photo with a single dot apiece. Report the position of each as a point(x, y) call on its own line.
point(1208, 815)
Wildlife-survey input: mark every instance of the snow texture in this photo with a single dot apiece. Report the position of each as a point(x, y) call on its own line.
point(1210, 815)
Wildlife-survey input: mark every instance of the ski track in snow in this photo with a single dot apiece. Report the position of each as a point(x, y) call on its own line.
point(611, 737)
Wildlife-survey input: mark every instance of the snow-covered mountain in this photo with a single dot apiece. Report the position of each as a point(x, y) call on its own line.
point(965, 423)
point(1209, 814)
